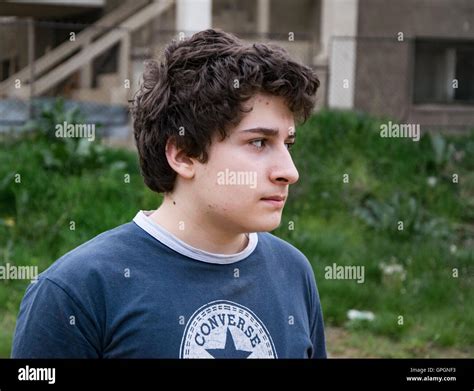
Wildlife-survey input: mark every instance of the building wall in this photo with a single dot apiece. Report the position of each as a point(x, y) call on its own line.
point(299, 16)
point(385, 65)
point(436, 18)
point(13, 43)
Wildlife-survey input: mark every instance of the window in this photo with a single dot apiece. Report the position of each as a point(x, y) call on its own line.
point(444, 72)
point(4, 69)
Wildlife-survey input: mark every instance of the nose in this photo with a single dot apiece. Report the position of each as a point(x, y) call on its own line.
point(284, 172)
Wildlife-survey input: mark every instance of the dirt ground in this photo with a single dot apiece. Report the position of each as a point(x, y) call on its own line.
point(341, 343)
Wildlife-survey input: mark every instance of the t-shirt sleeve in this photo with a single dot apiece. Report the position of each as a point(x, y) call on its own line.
point(51, 324)
point(317, 323)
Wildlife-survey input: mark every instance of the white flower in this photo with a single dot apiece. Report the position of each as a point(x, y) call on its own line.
point(360, 315)
point(390, 269)
point(432, 180)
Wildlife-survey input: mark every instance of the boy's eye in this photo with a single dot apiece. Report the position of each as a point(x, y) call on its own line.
point(259, 144)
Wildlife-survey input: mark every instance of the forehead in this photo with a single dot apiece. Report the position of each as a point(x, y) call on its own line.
point(267, 111)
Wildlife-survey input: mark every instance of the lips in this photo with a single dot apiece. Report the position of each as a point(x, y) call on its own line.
point(274, 198)
point(275, 201)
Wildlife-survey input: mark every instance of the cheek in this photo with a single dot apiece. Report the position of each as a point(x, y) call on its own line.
point(229, 199)
point(231, 180)
point(234, 197)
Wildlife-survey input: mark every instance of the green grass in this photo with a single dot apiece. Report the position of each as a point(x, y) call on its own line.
point(355, 223)
point(36, 213)
point(351, 223)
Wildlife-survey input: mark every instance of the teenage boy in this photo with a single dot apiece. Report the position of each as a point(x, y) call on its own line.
point(199, 277)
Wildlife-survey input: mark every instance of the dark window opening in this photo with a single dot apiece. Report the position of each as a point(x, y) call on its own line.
point(444, 72)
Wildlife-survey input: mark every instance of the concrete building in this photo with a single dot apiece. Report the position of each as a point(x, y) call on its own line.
point(411, 60)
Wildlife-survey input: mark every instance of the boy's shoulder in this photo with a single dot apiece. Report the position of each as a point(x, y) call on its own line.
point(279, 243)
point(96, 256)
point(287, 253)
point(109, 253)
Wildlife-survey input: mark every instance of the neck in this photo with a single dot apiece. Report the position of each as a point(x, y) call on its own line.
point(188, 225)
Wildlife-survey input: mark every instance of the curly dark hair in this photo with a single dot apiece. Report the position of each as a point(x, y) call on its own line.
point(198, 91)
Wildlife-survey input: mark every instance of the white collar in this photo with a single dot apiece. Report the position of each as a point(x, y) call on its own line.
point(143, 220)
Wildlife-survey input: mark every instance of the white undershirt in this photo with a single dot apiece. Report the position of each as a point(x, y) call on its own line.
point(143, 220)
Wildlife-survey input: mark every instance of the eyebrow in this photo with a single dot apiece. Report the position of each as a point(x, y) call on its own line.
point(270, 132)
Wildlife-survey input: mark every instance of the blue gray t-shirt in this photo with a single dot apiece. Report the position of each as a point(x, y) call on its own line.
point(137, 291)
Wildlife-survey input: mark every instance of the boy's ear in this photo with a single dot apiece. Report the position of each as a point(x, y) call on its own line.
point(178, 160)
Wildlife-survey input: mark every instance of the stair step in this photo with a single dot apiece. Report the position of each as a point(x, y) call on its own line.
point(120, 96)
point(92, 95)
point(108, 80)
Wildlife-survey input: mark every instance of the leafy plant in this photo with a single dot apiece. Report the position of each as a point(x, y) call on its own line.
point(442, 151)
point(401, 208)
point(69, 155)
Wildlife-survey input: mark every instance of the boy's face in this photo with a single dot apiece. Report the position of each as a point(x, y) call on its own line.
point(249, 167)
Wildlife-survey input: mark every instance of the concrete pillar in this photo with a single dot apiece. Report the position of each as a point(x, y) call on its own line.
point(338, 49)
point(31, 55)
point(193, 16)
point(86, 70)
point(263, 16)
point(124, 58)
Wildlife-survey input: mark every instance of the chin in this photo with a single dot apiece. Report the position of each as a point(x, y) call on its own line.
point(264, 225)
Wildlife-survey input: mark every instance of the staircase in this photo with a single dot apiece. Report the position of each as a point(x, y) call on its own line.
point(109, 90)
point(73, 56)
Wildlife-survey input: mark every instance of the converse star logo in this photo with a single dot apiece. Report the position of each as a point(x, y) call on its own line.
point(224, 329)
